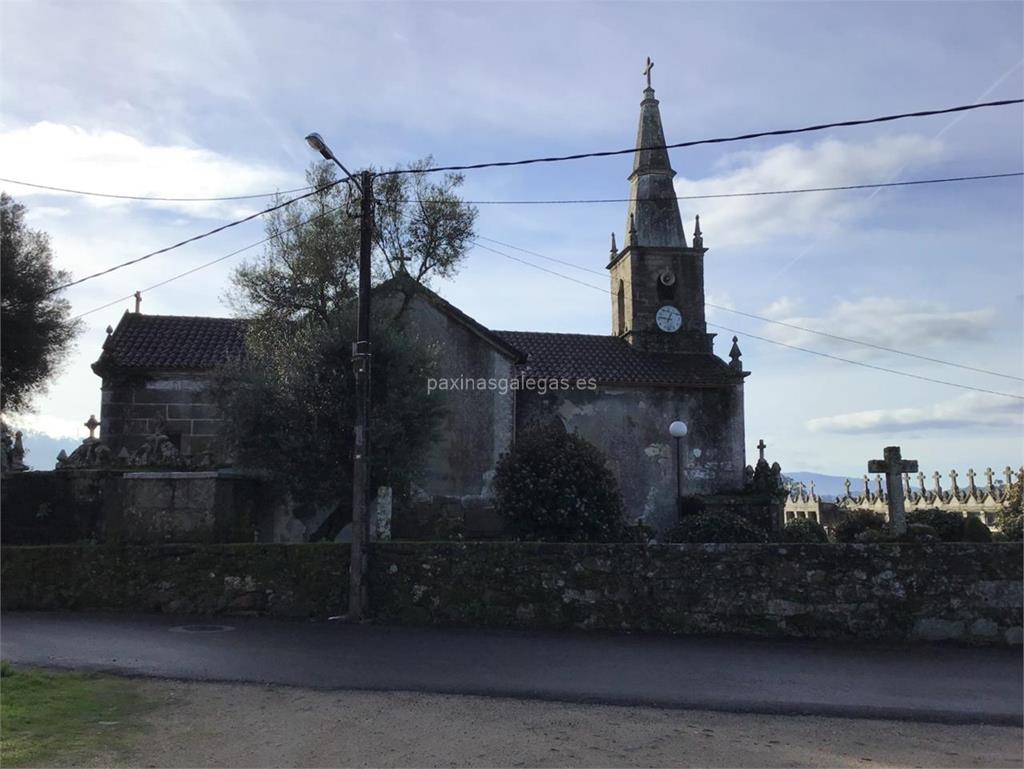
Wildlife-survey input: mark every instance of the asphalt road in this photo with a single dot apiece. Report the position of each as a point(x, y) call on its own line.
point(922, 683)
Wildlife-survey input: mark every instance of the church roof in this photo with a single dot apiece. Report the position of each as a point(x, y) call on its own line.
point(613, 361)
point(170, 342)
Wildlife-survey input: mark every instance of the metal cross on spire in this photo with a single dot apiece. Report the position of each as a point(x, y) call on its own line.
point(647, 70)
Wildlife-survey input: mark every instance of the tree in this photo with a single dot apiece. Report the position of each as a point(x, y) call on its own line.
point(289, 405)
point(1011, 518)
point(554, 486)
point(311, 265)
point(35, 323)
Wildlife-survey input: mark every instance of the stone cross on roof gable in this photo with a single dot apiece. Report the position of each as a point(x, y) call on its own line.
point(937, 477)
point(92, 424)
point(953, 475)
point(1008, 475)
point(971, 488)
point(761, 446)
point(989, 475)
point(894, 465)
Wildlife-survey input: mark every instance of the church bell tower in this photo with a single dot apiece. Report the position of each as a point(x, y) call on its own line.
point(657, 280)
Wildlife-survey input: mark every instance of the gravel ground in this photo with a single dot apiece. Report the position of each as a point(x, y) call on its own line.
point(244, 725)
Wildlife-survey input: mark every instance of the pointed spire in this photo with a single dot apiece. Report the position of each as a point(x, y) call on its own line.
point(631, 240)
point(653, 203)
point(698, 236)
point(734, 355)
point(615, 249)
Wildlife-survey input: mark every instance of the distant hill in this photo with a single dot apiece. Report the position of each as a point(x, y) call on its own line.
point(41, 450)
point(827, 487)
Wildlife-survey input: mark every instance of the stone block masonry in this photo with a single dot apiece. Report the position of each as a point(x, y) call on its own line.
point(884, 592)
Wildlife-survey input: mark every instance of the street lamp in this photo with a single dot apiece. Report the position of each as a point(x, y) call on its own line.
point(361, 369)
point(678, 431)
point(316, 141)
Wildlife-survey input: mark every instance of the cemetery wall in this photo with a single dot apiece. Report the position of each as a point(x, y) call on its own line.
point(890, 592)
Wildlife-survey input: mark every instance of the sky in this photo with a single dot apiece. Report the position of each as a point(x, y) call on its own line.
point(180, 99)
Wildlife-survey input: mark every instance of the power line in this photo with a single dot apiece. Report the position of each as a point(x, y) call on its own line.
point(716, 140)
point(779, 322)
point(772, 341)
point(211, 262)
point(153, 197)
point(195, 237)
point(711, 196)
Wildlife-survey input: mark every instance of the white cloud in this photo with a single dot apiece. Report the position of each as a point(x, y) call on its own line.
point(905, 324)
point(780, 308)
point(108, 161)
point(829, 163)
point(968, 410)
point(49, 425)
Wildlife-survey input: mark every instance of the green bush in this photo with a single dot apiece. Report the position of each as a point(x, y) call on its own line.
point(1013, 528)
point(715, 528)
point(804, 530)
point(975, 530)
point(948, 524)
point(856, 523)
point(920, 532)
point(690, 506)
point(555, 487)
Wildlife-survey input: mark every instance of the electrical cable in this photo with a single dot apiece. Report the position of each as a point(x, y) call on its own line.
point(774, 341)
point(716, 140)
point(155, 198)
point(194, 238)
point(780, 322)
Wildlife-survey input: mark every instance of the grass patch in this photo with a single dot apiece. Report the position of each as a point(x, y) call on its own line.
point(48, 718)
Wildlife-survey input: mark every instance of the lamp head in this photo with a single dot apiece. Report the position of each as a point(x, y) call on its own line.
point(316, 141)
point(677, 429)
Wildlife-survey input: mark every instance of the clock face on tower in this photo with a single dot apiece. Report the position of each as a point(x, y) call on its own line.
point(668, 318)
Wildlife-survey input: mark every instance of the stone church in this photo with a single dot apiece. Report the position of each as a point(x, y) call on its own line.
point(619, 390)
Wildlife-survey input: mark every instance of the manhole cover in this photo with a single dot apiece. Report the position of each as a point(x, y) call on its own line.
point(201, 629)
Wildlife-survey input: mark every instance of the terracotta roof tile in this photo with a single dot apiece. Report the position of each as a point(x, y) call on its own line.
point(611, 360)
point(162, 342)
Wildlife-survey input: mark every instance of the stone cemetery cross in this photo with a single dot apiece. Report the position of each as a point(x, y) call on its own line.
point(988, 475)
point(971, 488)
point(894, 465)
point(761, 446)
point(92, 424)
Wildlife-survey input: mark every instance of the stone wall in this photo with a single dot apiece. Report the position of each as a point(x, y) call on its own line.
point(942, 591)
point(179, 402)
point(66, 506)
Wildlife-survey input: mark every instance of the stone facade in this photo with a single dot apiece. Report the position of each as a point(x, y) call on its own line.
point(478, 423)
point(924, 592)
point(178, 403)
point(630, 424)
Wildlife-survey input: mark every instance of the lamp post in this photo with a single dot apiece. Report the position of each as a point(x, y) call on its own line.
point(678, 431)
point(361, 369)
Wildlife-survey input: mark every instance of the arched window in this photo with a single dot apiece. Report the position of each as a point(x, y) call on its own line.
point(622, 308)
